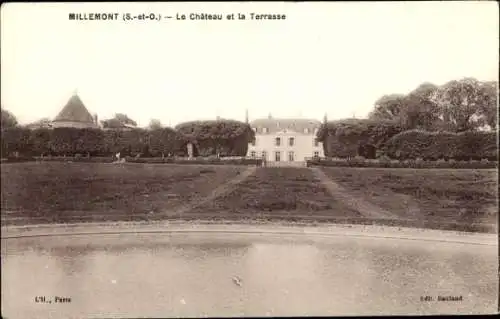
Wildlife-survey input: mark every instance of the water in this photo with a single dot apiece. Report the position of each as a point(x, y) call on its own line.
point(182, 275)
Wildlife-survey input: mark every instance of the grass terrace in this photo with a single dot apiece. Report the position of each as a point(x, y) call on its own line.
point(436, 195)
point(278, 193)
point(71, 192)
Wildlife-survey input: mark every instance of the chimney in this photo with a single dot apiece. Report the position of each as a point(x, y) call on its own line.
point(95, 119)
point(246, 116)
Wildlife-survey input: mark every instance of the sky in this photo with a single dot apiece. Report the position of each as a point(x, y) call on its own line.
point(336, 58)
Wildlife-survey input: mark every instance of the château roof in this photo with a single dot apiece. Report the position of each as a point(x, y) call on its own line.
point(274, 125)
point(74, 111)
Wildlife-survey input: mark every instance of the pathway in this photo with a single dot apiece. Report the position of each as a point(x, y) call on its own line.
point(363, 207)
point(217, 192)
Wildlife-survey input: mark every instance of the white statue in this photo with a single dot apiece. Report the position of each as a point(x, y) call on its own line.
point(190, 150)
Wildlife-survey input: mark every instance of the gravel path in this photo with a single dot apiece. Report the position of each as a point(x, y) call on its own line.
point(366, 209)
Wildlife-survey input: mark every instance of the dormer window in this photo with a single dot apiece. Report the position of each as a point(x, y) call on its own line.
point(254, 129)
point(306, 130)
point(264, 130)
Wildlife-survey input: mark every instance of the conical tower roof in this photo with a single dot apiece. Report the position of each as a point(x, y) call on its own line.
point(74, 111)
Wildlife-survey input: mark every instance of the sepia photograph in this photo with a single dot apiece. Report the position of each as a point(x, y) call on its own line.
point(249, 159)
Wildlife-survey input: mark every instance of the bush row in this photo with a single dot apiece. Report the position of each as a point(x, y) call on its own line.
point(473, 164)
point(210, 161)
point(209, 138)
point(415, 144)
point(346, 138)
point(146, 160)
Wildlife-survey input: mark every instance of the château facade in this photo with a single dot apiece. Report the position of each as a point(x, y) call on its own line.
point(285, 140)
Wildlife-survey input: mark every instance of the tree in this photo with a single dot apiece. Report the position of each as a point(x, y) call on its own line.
point(224, 137)
point(420, 109)
point(465, 103)
point(457, 106)
point(41, 123)
point(489, 107)
point(350, 137)
point(388, 107)
point(119, 121)
point(165, 141)
point(123, 118)
point(8, 119)
point(155, 124)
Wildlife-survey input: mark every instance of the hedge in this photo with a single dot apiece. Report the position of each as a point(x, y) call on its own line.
point(348, 138)
point(128, 159)
point(223, 137)
point(93, 142)
point(210, 161)
point(415, 144)
point(485, 164)
point(16, 139)
point(84, 159)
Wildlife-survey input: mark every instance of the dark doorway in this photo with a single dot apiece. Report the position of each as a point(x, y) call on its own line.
point(368, 151)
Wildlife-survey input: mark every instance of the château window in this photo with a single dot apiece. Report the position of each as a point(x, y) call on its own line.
point(252, 154)
point(316, 154)
point(278, 141)
point(277, 156)
point(291, 141)
point(291, 157)
point(264, 155)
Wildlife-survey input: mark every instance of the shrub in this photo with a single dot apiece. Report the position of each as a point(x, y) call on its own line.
point(224, 137)
point(16, 139)
point(351, 137)
point(436, 145)
point(199, 160)
point(405, 164)
point(384, 159)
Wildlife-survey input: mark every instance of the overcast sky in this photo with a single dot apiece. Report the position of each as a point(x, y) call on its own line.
point(336, 58)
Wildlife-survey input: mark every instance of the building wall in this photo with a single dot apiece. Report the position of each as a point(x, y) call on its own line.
point(303, 147)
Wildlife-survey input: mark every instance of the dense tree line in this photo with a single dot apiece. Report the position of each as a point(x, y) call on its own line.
point(224, 138)
point(457, 106)
point(463, 146)
point(221, 137)
point(350, 137)
point(464, 107)
point(433, 121)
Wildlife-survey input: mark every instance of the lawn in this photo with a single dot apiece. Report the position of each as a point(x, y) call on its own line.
point(283, 193)
point(440, 195)
point(51, 192)
point(59, 192)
